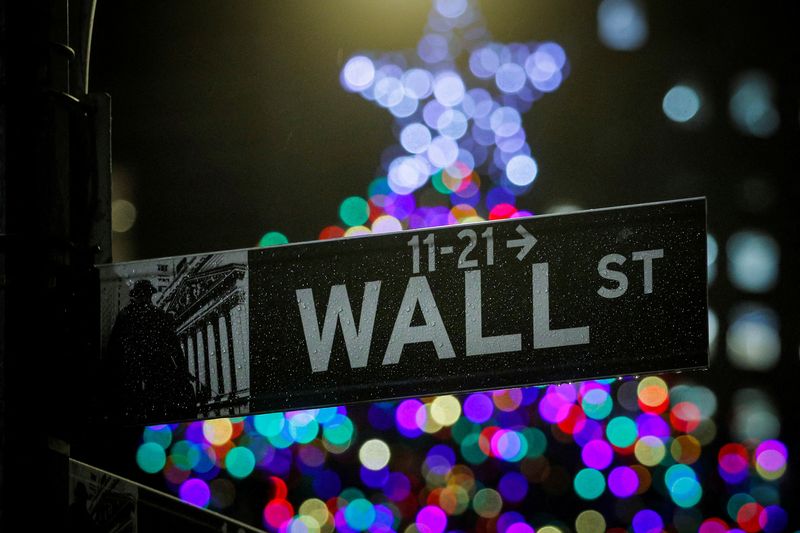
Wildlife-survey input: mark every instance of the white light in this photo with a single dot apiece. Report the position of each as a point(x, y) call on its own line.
point(442, 152)
point(621, 24)
point(505, 121)
point(405, 107)
point(452, 123)
point(451, 8)
point(755, 417)
point(389, 91)
point(418, 83)
point(521, 170)
point(448, 89)
point(415, 138)
point(359, 72)
point(681, 103)
point(374, 454)
point(752, 339)
point(753, 261)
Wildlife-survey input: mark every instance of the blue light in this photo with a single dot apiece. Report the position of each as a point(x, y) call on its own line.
point(753, 261)
point(621, 24)
point(751, 105)
point(681, 103)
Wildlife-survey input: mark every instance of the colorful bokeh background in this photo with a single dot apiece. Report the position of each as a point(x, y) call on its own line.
point(703, 451)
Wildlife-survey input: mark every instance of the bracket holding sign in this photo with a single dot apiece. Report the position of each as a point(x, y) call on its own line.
point(497, 304)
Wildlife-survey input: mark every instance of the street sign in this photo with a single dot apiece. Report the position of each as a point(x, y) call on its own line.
point(496, 304)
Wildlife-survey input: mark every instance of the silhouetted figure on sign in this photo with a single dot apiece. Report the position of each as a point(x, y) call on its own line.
point(149, 365)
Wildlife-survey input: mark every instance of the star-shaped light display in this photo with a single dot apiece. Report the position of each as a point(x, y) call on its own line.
point(454, 126)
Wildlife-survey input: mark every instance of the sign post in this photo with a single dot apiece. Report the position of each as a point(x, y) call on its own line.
point(495, 304)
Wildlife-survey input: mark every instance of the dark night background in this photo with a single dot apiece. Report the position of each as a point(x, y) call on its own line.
point(229, 121)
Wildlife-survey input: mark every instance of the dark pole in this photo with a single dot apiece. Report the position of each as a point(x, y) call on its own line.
point(53, 217)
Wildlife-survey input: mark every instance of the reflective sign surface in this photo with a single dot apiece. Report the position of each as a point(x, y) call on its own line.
point(497, 304)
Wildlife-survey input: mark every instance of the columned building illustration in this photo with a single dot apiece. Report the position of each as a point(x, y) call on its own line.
point(209, 302)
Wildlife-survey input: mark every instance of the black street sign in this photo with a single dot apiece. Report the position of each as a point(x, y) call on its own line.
point(497, 304)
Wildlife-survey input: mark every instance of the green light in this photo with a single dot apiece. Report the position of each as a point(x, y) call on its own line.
point(589, 483)
point(269, 424)
point(676, 472)
point(185, 455)
point(303, 429)
point(537, 442)
point(339, 431)
point(151, 457)
point(438, 184)
point(621, 431)
point(736, 502)
point(354, 211)
point(597, 404)
point(462, 428)
point(359, 514)
point(686, 492)
point(273, 238)
point(161, 436)
point(471, 450)
point(240, 462)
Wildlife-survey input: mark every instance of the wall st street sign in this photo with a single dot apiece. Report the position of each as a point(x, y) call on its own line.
point(496, 304)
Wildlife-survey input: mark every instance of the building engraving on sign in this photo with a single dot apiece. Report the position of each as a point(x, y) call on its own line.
point(439, 310)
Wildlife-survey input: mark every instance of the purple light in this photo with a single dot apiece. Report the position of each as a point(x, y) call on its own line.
point(432, 48)
point(418, 83)
point(484, 62)
point(400, 205)
point(406, 415)
point(623, 482)
point(773, 519)
point(326, 484)
point(513, 486)
point(194, 433)
point(519, 527)
point(374, 478)
point(510, 78)
point(587, 430)
point(506, 444)
point(397, 487)
point(649, 424)
point(432, 518)
point(647, 521)
point(380, 417)
point(499, 196)
point(195, 491)
point(444, 451)
point(597, 454)
point(507, 519)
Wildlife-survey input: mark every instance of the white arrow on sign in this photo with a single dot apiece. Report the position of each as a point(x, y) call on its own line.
point(526, 242)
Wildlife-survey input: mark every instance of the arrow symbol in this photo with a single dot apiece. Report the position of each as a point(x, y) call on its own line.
point(526, 242)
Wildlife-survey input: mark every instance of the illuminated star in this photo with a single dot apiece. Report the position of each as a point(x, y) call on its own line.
point(454, 126)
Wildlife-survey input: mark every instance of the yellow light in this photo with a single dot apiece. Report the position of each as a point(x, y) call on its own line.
point(445, 410)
